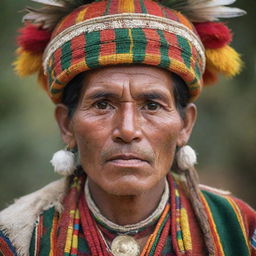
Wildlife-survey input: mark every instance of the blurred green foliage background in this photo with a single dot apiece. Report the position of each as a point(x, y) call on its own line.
point(224, 136)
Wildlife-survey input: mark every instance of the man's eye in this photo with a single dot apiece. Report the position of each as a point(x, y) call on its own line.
point(102, 105)
point(152, 106)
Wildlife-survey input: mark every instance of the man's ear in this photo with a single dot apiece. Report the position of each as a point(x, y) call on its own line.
point(188, 124)
point(65, 125)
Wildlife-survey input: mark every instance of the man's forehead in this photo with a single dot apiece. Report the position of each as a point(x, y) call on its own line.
point(137, 76)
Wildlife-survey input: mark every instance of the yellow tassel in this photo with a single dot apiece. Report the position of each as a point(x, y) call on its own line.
point(225, 60)
point(27, 63)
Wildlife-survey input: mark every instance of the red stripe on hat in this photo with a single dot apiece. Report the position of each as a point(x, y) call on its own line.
point(153, 8)
point(67, 22)
point(137, 7)
point(96, 9)
point(78, 49)
point(57, 62)
point(173, 46)
point(113, 8)
point(108, 45)
point(153, 47)
point(171, 14)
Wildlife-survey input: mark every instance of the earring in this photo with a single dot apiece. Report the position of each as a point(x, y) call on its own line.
point(63, 161)
point(186, 157)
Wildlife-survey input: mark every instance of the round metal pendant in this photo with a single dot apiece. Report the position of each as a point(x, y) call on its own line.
point(124, 245)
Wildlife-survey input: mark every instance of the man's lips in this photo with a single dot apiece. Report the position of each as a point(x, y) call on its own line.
point(126, 157)
point(127, 160)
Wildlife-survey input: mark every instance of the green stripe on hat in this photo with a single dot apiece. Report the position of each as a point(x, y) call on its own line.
point(227, 225)
point(123, 41)
point(66, 55)
point(186, 50)
point(143, 7)
point(92, 49)
point(139, 45)
point(165, 61)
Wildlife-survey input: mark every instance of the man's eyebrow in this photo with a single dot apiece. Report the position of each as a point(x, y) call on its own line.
point(101, 94)
point(155, 95)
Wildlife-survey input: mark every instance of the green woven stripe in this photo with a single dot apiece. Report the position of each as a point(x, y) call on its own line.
point(47, 226)
point(197, 70)
point(83, 247)
point(228, 227)
point(143, 7)
point(49, 70)
point(186, 50)
point(123, 41)
point(92, 49)
point(165, 61)
point(107, 7)
point(56, 91)
point(139, 45)
point(66, 55)
point(168, 249)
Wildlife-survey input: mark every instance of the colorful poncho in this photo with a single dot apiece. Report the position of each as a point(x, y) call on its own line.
point(50, 230)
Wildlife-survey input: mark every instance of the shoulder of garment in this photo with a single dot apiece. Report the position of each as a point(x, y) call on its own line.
point(18, 220)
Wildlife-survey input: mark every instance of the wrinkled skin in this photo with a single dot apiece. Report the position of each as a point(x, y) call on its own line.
point(126, 128)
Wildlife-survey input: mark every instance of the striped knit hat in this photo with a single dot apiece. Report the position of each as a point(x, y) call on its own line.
point(114, 32)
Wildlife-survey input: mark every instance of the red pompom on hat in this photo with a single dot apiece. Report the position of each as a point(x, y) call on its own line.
point(32, 38)
point(214, 35)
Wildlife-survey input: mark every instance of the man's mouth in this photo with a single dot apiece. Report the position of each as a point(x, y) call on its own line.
point(127, 159)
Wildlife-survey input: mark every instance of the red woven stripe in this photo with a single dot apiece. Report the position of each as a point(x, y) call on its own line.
point(173, 43)
point(193, 56)
point(78, 49)
point(4, 248)
point(137, 7)
point(96, 9)
point(153, 8)
point(107, 48)
point(113, 6)
point(170, 14)
point(57, 63)
point(68, 21)
point(153, 45)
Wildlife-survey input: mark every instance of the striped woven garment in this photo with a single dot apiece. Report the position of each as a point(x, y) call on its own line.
point(116, 32)
point(232, 223)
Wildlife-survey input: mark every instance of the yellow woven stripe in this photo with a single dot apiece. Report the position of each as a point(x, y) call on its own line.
point(153, 59)
point(126, 6)
point(239, 217)
point(80, 16)
point(131, 40)
point(185, 229)
point(180, 67)
point(116, 59)
point(213, 225)
point(75, 235)
point(69, 233)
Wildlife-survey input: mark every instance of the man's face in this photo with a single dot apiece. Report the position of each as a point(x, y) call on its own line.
point(126, 128)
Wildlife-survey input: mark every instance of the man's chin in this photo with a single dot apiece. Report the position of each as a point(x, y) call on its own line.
point(128, 186)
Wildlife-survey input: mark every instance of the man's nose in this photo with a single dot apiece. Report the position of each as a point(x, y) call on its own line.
point(127, 126)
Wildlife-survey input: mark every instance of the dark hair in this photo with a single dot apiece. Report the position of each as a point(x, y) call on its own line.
point(72, 92)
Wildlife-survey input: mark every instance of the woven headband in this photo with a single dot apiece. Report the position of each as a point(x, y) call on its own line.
point(121, 21)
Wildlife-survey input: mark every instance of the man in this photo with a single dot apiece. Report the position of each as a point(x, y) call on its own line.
point(122, 75)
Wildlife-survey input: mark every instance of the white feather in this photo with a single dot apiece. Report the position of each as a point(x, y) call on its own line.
point(50, 2)
point(207, 10)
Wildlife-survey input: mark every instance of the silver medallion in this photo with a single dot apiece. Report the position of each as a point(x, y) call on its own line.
point(124, 245)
